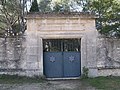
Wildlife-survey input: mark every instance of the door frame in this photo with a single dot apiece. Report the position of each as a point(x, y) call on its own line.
point(79, 63)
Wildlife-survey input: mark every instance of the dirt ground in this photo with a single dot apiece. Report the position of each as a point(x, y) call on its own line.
point(49, 85)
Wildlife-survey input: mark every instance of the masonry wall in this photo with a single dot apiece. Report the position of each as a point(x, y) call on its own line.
point(108, 56)
point(40, 28)
point(97, 53)
point(12, 55)
point(24, 55)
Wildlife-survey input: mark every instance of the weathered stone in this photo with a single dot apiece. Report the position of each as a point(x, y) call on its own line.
point(42, 27)
point(24, 55)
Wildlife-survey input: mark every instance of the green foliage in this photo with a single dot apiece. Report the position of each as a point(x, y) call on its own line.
point(62, 6)
point(10, 17)
point(15, 79)
point(44, 6)
point(34, 7)
point(104, 83)
point(85, 72)
point(56, 6)
point(108, 12)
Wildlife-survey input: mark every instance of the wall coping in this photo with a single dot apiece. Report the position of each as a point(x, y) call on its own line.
point(31, 15)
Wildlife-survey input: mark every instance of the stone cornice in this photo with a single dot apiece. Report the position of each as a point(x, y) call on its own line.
point(60, 15)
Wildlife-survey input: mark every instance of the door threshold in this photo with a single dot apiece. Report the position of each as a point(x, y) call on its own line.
point(71, 78)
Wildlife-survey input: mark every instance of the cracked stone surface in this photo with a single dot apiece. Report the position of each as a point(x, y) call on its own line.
point(49, 85)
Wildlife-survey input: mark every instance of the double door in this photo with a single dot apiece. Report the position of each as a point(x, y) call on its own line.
point(61, 58)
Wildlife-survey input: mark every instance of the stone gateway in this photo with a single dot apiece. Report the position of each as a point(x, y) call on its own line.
point(60, 45)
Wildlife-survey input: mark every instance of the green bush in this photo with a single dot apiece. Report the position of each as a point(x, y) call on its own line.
point(85, 72)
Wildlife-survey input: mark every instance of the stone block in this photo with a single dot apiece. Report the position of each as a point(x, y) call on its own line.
point(32, 58)
point(93, 72)
point(32, 50)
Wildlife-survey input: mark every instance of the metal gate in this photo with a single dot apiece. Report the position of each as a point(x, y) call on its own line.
point(61, 58)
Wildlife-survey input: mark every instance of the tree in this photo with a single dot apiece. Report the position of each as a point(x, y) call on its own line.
point(34, 7)
point(11, 17)
point(108, 12)
point(57, 6)
point(44, 6)
point(63, 6)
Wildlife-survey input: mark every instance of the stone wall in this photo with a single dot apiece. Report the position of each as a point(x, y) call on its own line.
point(12, 55)
point(24, 55)
point(108, 56)
point(19, 56)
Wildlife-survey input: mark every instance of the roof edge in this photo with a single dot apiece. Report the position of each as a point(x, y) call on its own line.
point(60, 14)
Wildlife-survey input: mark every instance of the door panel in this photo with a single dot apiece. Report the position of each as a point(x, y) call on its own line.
point(53, 64)
point(71, 64)
point(61, 58)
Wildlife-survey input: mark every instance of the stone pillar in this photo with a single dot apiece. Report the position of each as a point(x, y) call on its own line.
point(83, 53)
point(33, 61)
point(91, 52)
point(40, 55)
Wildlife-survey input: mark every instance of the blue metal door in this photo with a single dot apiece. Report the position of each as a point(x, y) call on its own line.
point(61, 58)
point(71, 64)
point(53, 64)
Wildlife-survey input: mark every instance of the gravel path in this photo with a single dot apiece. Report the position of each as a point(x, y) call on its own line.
point(49, 85)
